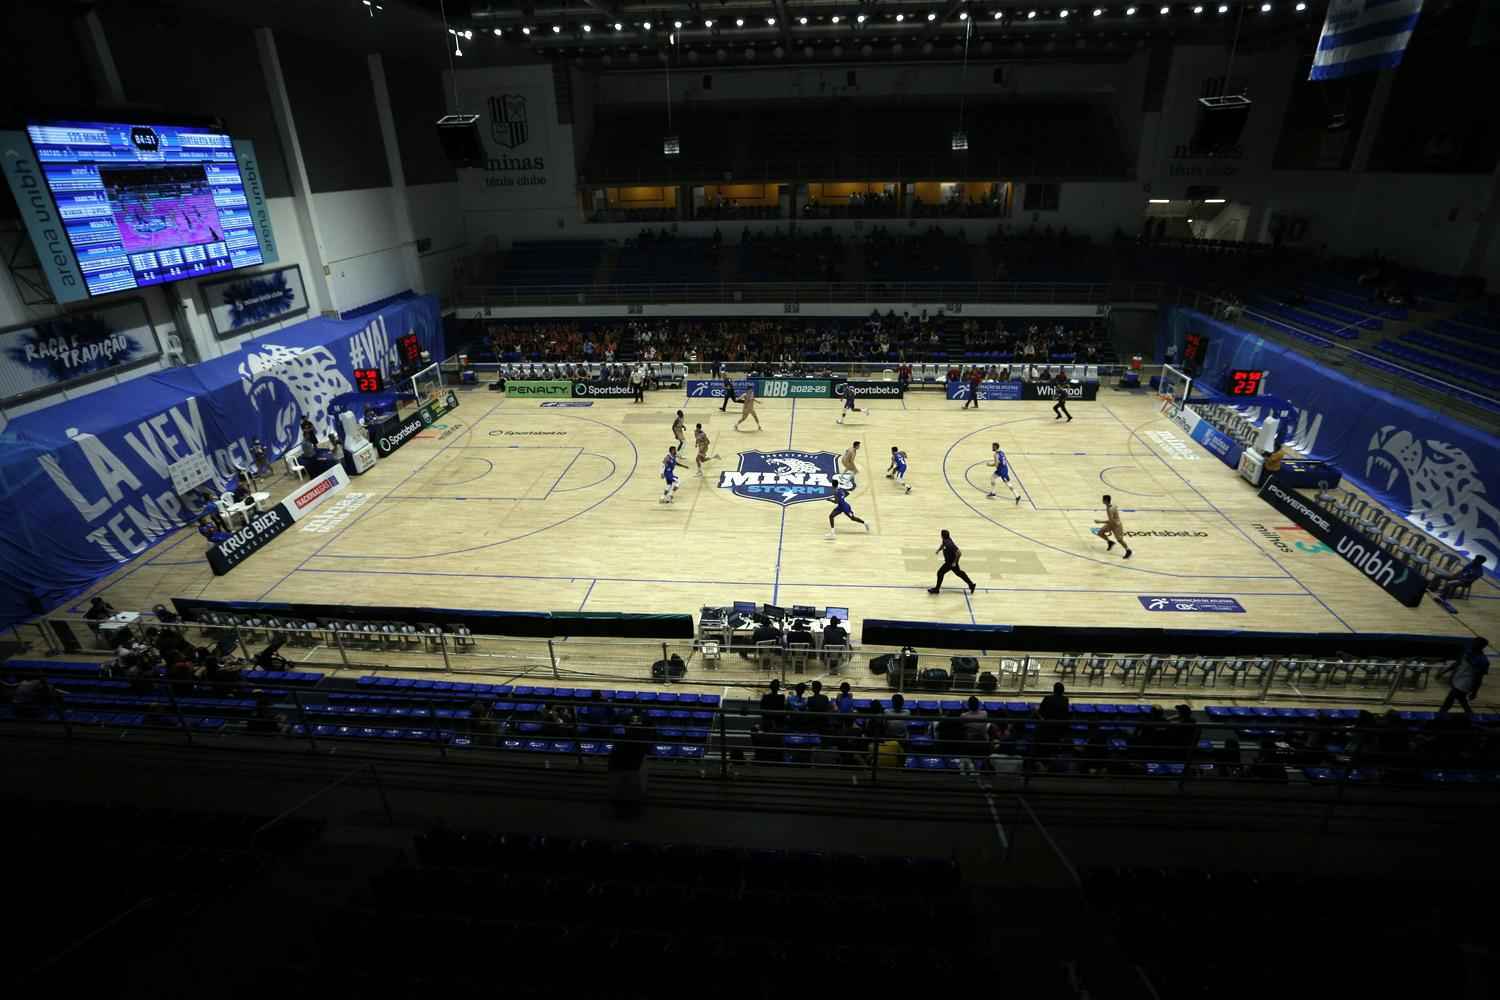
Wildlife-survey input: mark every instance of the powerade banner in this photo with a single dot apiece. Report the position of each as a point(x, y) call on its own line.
point(869, 390)
point(539, 388)
point(713, 388)
point(1390, 573)
point(1004, 391)
point(1223, 447)
point(1085, 391)
point(38, 359)
point(84, 484)
point(792, 388)
point(238, 305)
point(1440, 474)
point(248, 540)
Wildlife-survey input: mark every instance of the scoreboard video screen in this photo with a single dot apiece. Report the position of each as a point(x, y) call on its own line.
point(144, 204)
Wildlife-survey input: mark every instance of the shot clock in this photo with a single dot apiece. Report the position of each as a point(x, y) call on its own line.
point(410, 348)
point(1245, 382)
point(368, 380)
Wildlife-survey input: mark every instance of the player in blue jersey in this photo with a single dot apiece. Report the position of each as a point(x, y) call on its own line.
point(840, 500)
point(669, 474)
point(897, 469)
point(849, 406)
point(1001, 473)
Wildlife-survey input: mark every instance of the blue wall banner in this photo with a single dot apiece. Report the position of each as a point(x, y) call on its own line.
point(85, 485)
point(1002, 391)
point(1393, 576)
point(1225, 448)
point(248, 302)
point(41, 358)
point(255, 197)
point(1211, 605)
point(54, 253)
point(1440, 474)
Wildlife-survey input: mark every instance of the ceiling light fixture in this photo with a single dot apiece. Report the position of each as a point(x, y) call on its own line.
point(964, 17)
point(771, 21)
point(802, 20)
point(900, 18)
point(708, 24)
point(997, 15)
point(1223, 8)
point(557, 29)
point(1063, 13)
point(1301, 7)
point(1160, 201)
point(1198, 9)
point(619, 26)
point(1098, 11)
point(588, 27)
point(1214, 201)
point(932, 17)
point(468, 34)
point(835, 19)
point(525, 31)
point(1031, 15)
point(1130, 12)
point(860, 19)
point(1165, 11)
point(1265, 8)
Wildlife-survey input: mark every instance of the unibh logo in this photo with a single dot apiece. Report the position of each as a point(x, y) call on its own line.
point(786, 477)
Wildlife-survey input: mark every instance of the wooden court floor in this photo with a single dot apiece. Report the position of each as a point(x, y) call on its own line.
point(516, 505)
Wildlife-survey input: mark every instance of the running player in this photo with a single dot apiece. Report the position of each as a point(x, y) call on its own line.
point(851, 456)
point(1112, 526)
point(701, 440)
point(747, 407)
point(840, 501)
point(669, 474)
point(897, 470)
point(1002, 472)
point(951, 555)
point(679, 429)
point(849, 406)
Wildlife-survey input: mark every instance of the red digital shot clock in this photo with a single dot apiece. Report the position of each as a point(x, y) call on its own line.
point(1245, 382)
point(368, 380)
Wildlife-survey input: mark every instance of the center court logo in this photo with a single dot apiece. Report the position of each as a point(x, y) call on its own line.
point(786, 477)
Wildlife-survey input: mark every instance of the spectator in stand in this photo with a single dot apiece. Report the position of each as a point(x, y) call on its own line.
point(1054, 712)
point(818, 709)
point(773, 708)
point(898, 720)
point(34, 697)
point(1468, 675)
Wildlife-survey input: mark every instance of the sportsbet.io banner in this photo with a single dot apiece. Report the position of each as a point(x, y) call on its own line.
point(40, 358)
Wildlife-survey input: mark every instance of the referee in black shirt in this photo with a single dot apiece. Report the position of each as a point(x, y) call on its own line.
point(728, 393)
point(951, 555)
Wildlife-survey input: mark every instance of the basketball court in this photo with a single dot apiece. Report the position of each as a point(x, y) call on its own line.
point(519, 505)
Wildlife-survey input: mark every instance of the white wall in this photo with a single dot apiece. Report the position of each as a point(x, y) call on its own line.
point(437, 214)
point(1092, 207)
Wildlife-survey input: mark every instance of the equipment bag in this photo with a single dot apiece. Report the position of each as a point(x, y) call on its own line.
point(936, 678)
point(964, 665)
point(987, 681)
point(883, 663)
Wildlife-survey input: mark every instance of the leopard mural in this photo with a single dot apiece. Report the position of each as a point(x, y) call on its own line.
point(1448, 498)
point(286, 384)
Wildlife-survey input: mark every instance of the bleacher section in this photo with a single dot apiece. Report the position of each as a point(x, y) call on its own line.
point(1301, 318)
point(1450, 367)
point(667, 261)
point(550, 262)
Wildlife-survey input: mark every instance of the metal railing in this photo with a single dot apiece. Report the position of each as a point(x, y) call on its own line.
point(388, 649)
point(939, 294)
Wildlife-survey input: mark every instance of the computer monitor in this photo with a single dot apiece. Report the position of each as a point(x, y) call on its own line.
point(772, 611)
point(744, 607)
point(804, 611)
point(842, 614)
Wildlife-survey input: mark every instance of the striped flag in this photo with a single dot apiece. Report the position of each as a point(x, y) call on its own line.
point(1360, 36)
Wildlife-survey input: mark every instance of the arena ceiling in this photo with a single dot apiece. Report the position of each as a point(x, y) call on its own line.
point(783, 30)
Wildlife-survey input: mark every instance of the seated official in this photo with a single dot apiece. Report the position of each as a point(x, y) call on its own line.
point(211, 531)
point(1466, 576)
point(309, 438)
point(834, 633)
point(765, 632)
point(800, 635)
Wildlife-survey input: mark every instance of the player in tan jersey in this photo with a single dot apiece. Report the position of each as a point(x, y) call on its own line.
point(1114, 529)
point(701, 440)
point(851, 456)
point(747, 407)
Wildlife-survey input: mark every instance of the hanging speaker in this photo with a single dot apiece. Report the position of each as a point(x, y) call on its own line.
point(459, 137)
